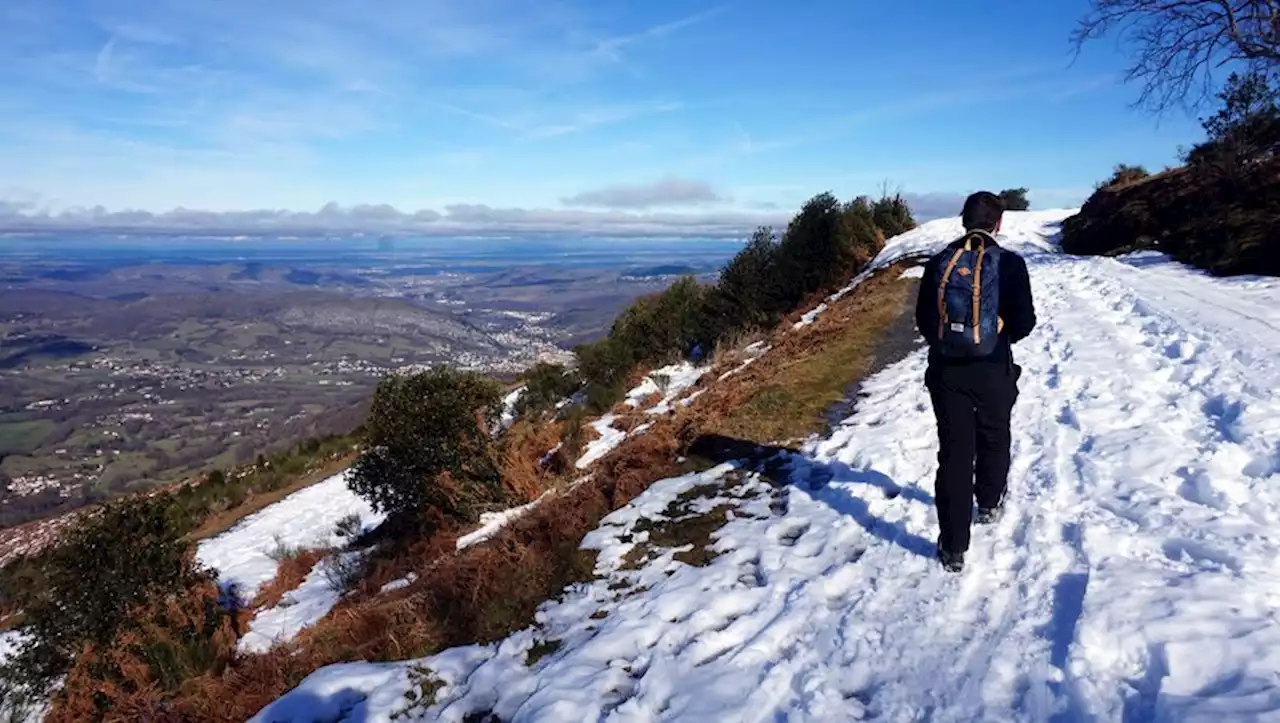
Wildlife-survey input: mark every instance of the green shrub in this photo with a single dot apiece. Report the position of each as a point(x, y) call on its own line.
point(748, 294)
point(117, 559)
point(1015, 199)
point(892, 215)
point(428, 450)
point(545, 386)
point(1245, 129)
point(823, 246)
point(1124, 174)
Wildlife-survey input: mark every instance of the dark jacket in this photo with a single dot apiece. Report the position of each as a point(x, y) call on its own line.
point(1016, 309)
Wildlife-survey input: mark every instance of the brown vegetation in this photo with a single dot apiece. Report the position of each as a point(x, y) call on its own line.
point(479, 595)
point(782, 396)
point(1225, 225)
point(291, 570)
point(524, 473)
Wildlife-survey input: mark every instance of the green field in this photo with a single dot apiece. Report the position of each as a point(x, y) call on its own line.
point(24, 437)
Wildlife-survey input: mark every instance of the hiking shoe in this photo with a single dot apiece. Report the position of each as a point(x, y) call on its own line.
point(951, 561)
point(988, 515)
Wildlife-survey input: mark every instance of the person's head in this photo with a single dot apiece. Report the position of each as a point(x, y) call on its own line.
point(982, 212)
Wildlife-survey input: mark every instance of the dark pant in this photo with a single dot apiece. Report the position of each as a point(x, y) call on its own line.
point(973, 404)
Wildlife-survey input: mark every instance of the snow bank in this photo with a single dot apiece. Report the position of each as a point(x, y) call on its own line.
point(493, 522)
point(242, 555)
point(1026, 232)
point(399, 584)
point(679, 378)
point(609, 439)
point(298, 608)
point(810, 316)
point(509, 407)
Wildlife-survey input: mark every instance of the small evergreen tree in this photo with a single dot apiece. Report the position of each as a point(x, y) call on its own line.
point(815, 250)
point(1246, 127)
point(892, 215)
point(1015, 199)
point(428, 450)
point(747, 294)
point(862, 208)
point(866, 239)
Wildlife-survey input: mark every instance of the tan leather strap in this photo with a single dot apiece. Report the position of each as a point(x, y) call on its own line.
point(977, 292)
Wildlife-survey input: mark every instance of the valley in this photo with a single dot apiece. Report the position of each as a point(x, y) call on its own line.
point(137, 364)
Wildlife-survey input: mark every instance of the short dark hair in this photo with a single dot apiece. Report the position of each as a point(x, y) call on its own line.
point(982, 211)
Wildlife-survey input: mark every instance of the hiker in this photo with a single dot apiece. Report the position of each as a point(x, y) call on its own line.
point(974, 304)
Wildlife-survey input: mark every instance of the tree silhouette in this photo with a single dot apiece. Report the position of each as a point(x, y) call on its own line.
point(1176, 45)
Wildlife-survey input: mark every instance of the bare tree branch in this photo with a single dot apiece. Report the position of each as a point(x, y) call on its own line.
point(1176, 45)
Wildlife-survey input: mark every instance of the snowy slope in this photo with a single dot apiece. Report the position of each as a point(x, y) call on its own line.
point(1027, 232)
point(299, 608)
point(676, 379)
point(1134, 577)
point(242, 555)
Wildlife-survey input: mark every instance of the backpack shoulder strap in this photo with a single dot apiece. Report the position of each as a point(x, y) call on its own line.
point(942, 286)
point(977, 287)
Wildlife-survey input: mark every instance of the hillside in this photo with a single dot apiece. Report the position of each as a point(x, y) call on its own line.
point(1128, 579)
point(754, 536)
point(1227, 223)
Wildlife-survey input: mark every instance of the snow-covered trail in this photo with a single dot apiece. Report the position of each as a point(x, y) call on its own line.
point(1134, 577)
point(1136, 570)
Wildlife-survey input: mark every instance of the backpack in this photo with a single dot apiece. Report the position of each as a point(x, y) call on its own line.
point(968, 284)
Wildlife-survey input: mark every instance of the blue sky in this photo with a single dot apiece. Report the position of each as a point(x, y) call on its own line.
point(481, 114)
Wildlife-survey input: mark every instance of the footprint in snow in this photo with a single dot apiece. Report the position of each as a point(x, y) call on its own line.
point(790, 534)
point(1181, 549)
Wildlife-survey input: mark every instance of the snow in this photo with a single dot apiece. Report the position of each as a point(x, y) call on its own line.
point(492, 522)
point(298, 609)
point(679, 378)
point(1132, 577)
point(399, 583)
point(609, 439)
point(509, 407)
point(10, 642)
point(1027, 232)
point(242, 555)
point(915, 272)
point(810, 316)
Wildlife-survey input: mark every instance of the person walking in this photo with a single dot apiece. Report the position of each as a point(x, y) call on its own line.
point(974, 304)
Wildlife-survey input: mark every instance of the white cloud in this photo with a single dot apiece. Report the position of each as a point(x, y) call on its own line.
point(623, 215)
point(668, 191)
point(455, 220)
